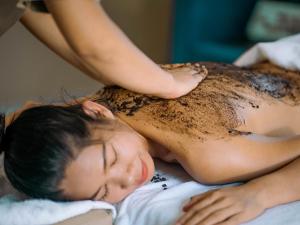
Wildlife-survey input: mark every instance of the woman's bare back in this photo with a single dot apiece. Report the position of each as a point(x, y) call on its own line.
point(230, 101)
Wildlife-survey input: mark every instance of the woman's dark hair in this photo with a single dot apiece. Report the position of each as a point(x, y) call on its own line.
point(2, 129)
point(39, 144)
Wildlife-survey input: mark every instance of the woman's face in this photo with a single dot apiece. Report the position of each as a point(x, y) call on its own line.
point(109, 171)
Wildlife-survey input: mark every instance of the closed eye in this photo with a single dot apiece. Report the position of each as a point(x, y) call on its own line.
point(106, 193)
point(116, 156)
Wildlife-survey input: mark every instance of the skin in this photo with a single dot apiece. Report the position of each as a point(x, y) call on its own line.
point(244, 126)
point(82, 34)
point(115, 168)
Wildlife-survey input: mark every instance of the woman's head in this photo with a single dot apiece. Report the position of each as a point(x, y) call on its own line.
point(59, 152)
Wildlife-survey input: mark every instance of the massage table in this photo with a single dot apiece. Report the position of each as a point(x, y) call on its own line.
point(153, 203)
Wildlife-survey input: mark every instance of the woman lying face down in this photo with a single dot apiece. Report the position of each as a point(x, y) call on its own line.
point(237, 125)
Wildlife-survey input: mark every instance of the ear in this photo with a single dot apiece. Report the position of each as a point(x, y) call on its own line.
point(96, 110)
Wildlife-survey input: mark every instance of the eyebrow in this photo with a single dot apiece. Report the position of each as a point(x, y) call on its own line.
point(104, 167)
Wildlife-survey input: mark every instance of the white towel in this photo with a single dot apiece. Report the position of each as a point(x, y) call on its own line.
point(42, 212)
point(284, 53)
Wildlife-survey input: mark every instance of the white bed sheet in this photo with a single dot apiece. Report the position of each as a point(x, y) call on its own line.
point(160, 203)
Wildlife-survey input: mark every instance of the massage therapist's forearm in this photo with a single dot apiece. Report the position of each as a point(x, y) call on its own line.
point(44, 28)
point(279, 187)
point(105, 50)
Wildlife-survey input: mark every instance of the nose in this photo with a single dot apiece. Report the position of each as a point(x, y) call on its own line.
point(127, 181)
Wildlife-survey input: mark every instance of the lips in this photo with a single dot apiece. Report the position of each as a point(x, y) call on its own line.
point(144, 173)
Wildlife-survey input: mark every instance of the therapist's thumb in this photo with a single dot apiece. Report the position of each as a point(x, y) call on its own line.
point(187, 78)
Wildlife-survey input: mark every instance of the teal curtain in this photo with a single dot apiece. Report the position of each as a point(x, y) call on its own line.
point(210, 30)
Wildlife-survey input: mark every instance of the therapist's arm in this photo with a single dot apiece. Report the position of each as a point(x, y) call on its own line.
point(103, 49)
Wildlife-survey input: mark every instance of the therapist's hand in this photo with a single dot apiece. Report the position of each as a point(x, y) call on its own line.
point(186, 77)
point(227, 206)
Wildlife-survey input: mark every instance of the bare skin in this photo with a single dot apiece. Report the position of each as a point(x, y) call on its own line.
point(236, 126)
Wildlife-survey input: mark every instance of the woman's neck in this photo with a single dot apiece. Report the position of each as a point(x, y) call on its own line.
point(157, 150)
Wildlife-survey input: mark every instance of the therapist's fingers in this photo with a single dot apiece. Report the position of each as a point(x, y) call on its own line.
point(186, 77)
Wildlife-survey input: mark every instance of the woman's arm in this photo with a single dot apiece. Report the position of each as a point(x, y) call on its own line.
point(103, 49)
point(235, 205)
point(279, 187)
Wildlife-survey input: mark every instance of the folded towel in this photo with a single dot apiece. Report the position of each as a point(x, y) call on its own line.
point(42, 212)
point(284, 53)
